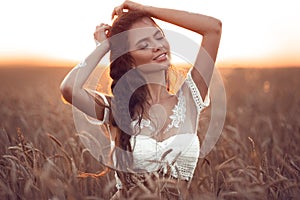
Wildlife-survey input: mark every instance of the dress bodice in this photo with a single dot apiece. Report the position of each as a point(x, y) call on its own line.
point(179, 151)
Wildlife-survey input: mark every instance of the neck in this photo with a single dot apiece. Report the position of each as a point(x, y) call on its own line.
point(156, 83)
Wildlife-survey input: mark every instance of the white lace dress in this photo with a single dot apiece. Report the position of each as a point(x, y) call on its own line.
point(179, 152)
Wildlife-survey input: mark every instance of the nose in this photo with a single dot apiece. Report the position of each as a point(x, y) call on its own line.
point(157, 46)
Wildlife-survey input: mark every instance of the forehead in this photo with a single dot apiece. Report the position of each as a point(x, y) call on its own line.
point(142, 29)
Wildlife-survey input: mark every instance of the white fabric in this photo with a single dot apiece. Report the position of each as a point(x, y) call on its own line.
point(106, 110)
point(184, 147)
point(81, 64)
point(177, 117)
point(179, 152)
point(196, 94)
point(182, 153)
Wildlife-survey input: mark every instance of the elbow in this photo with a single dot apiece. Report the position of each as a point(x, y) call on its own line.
point(215, 27)
point(66, 92)
point(218, 27)
point(212, 26)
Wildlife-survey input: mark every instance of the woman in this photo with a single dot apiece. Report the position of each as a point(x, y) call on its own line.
point(154, 131)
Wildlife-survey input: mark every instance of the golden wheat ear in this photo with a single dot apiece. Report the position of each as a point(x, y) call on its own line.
point(92, 175)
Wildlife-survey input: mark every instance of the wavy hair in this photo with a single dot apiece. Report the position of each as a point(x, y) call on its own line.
point(121, 63)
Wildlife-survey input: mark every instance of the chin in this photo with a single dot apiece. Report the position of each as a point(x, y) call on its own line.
point(167, 65)
point(154, 67)
point(164, 65)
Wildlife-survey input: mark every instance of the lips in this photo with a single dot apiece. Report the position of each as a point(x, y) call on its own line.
point(161, 57)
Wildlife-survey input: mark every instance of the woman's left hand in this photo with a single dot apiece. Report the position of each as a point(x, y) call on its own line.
point(130, 5)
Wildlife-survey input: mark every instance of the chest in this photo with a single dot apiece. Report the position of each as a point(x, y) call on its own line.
point(163, 119)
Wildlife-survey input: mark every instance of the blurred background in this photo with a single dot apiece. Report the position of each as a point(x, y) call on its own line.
point(257, 155)
point(52, 33)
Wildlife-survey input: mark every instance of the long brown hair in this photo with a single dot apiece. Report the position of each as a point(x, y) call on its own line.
point(121, 63)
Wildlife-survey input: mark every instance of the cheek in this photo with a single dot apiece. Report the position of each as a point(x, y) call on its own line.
point(141, 57)
point(166, 45)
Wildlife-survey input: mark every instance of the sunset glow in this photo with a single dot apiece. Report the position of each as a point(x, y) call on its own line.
point(54, 33)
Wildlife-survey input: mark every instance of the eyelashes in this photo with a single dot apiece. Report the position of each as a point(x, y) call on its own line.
point(146, 45)
point(143, 46)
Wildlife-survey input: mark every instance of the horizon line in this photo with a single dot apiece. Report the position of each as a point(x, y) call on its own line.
point(43, 61)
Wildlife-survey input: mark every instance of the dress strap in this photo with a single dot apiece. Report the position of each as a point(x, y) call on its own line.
point(196, 93)
point(106, 109)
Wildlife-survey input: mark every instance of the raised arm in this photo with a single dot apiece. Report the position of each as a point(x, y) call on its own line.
point(209, 27)
point(72, 85)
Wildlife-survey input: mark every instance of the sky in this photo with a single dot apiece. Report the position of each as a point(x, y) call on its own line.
point(255, 33)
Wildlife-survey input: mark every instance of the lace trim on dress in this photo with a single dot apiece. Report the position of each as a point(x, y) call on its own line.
point(81, 64)
point(106, 110)
point(171, 157)
point(178, 115)
point(196, 94)
point(146, 123)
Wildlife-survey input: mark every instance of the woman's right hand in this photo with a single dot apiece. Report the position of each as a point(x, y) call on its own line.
point(130, 5)
point(101, 33)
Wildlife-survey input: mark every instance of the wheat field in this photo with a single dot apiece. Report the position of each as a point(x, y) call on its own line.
point(256, 157)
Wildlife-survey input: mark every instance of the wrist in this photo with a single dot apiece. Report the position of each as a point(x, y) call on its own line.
point(146, 8)
point(97, 43)
point(103, 45)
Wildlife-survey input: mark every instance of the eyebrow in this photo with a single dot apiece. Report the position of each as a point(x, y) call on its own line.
point(144, 39)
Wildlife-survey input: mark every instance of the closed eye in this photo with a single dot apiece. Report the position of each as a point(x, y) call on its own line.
point(143, 46)
point(159, 35)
